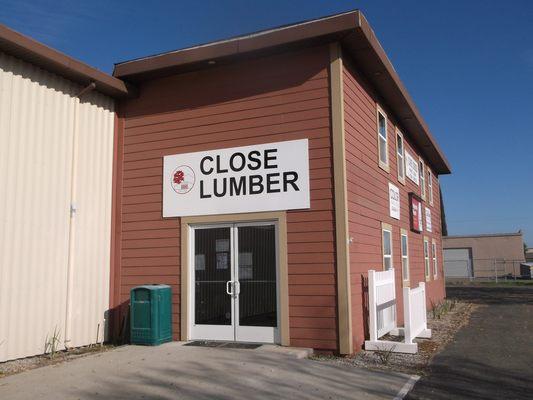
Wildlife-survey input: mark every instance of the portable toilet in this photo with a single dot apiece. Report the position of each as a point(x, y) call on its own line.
point(151, 314)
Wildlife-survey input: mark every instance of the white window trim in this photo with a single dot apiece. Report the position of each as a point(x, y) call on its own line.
point(383, 165)
point(430, 186)
point(427, 266)
point(434, 258)
point(401, 179)
point(406, 279)
point(422, 178)
point(386, 228)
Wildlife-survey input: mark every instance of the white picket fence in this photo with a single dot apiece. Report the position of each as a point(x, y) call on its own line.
point(382, 313)
point(382, 297)
point(415, 313)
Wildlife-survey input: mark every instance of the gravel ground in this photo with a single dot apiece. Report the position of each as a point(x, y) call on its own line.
point(24, 364)
point(443, 330)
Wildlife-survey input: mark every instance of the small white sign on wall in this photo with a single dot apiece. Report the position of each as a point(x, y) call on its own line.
point(394, 201)
point(411, 168)
point(262, 177)
point(428, 220)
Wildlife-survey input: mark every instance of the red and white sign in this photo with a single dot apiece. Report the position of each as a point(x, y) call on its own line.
point(262, 177)
point(415, 206)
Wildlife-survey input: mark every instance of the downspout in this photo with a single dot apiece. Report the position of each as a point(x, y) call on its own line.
point(73, 210)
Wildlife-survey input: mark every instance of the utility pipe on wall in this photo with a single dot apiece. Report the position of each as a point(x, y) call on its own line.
point(73, 210)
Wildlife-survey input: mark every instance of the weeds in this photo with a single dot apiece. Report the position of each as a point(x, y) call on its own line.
point(438, 310)
point(51, 343)
point(384, 353)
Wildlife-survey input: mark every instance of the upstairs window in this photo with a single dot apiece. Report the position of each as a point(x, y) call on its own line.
point(422, 174)
point(405, 255)
point(430, 187)
point(400, 156)
point(386, 237)
point(426, 259)
point(434, 254)
point(382, 140)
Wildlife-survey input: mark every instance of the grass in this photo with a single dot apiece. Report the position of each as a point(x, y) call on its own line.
point(51, 344)
point(384, 353)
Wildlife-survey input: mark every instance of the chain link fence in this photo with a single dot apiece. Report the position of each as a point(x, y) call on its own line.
point(487, 269)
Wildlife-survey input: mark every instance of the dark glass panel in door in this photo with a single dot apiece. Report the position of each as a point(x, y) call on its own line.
point(257, 276)
point(212, 269)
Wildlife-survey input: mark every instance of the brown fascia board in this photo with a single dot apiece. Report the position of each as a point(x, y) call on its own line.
point(36, 53)
point(351, 29)
point(199, 56)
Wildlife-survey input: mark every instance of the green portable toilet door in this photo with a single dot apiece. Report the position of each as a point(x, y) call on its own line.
point(141, 317)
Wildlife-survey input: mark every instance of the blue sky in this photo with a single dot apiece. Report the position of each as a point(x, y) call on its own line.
point(467, 64)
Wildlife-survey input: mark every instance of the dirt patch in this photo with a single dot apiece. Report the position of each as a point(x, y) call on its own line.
point(443, 325)
point(24, 364)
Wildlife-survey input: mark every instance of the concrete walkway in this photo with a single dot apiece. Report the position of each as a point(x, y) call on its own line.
point(174, 371)
point(491, 357)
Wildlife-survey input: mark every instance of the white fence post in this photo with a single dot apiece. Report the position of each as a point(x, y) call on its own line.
point(372, 311)
point(407, 315)
point(422, 285)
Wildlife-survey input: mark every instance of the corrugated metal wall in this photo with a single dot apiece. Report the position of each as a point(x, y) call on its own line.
point(38, 111)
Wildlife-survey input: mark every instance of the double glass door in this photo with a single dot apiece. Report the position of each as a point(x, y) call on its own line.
point(234, 282)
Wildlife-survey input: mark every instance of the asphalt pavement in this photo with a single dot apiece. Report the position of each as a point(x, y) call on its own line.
point(491, 357)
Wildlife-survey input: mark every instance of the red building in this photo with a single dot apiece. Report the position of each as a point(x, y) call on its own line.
point(263, 176)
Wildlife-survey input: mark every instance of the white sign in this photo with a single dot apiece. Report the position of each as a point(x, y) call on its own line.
point(428, 219)
point(264, 177)
point(394, 201)
point(411, 168)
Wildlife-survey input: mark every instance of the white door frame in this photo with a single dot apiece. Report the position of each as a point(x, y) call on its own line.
point(233, 331)
point(209, 332)
point(259, 334)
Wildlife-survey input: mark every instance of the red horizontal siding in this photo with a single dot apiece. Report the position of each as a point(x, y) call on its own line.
point(282, 97)
point(368, 200)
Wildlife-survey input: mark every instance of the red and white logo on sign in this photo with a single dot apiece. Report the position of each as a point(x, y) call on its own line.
point(183, 179)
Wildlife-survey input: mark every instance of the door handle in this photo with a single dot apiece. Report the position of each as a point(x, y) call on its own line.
point(228, 284)
point(237, 288)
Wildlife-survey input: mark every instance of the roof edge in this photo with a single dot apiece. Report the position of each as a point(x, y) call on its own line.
point(351, 29)
point(27, 49)
point(412, 118)
point(261, 40)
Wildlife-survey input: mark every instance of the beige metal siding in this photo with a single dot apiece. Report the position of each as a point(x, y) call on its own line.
point(37, 125)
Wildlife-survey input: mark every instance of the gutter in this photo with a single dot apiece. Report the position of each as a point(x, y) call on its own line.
point(36, 53)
